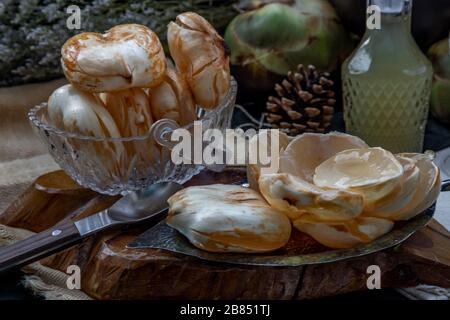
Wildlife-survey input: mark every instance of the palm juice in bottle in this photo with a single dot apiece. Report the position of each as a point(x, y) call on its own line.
point(387, 82)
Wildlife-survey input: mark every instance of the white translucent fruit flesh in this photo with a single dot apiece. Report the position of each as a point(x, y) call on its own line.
point(292, 190)
point(401, 195)
point(227, 218)
point(307, 151)
point(345, 234)
point(423, 196)
point(295, 197)
point(373, 172)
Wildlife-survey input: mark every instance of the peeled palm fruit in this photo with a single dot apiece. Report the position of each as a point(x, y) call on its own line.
point(309, 150)
point(199, 54)
point(373, 172)
point(423, 196)
point(227, 218)
point(131, 111)
point(293, 192)
point(126, 56)
point(345, 234)
point(401, 195)
point(172, 99)
point(295, 197)
point(76, 111)
point(343, 193)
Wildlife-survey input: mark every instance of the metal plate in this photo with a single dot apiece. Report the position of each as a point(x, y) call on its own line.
point(301, 250)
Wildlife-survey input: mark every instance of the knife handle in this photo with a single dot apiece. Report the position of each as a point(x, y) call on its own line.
point(38, 246)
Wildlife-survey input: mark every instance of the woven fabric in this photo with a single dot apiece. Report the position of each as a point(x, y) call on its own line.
point(41, 280)
point(22, 159)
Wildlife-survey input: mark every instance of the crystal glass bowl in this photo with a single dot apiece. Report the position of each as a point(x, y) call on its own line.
point(120, 165)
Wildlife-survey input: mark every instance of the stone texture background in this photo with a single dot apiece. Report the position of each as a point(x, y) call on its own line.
point(32, 31)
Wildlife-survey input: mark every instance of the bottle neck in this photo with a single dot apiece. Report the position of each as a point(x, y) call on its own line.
point(393, 12)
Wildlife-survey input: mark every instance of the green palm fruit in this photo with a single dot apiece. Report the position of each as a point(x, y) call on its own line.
point(267, 42)
point(439, 55)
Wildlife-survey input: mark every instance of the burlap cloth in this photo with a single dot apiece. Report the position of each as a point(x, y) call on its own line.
point(49, 283)
point(23, 158)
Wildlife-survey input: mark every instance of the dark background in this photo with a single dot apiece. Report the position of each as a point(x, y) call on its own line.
point(430, 19)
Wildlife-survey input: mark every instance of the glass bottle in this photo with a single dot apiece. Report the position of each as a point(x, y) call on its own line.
point(387, 83)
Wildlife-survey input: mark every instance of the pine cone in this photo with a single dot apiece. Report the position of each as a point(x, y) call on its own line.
point(304, 102)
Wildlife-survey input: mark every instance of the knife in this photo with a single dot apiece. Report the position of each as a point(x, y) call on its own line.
point(136, 207)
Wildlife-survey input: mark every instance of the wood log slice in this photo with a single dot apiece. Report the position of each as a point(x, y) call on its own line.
point(110, 270)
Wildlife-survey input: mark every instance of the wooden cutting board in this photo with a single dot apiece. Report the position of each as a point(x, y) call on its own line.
point(110, 270)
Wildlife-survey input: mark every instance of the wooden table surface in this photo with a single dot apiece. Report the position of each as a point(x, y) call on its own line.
point(112, 271)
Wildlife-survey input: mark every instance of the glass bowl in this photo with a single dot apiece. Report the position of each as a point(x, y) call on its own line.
point(120, 165)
